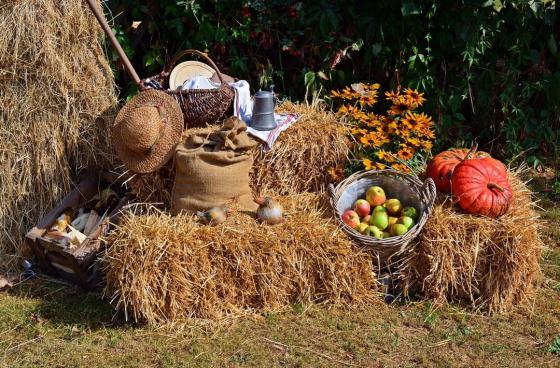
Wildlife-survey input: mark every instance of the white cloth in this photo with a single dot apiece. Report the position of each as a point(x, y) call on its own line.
point(242, 104)
point(243, 109)
point(268, 137)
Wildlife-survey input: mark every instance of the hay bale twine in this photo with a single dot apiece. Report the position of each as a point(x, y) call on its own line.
point(54, 84)
point(162, 269)
point(491, 265)
point(303, 153)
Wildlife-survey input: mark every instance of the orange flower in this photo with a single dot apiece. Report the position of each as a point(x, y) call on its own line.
point(413, 141)
point(400, 106)
point(414, 97)
point(400, 167)
point(391, 96)
point(426, 145)
point(405, 154)
point(336, 173)
point(368, 164)
point(382, 155)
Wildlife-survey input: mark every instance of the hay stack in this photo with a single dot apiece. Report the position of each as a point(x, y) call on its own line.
point(54, 84)
point(163, 269)
point(302, 154)
point(493, 265)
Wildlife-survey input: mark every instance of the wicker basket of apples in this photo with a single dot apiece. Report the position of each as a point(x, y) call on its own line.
point(383, 210)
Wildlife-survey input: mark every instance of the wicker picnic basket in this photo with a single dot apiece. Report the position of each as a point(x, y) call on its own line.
point(407, 187)
point(200, 106)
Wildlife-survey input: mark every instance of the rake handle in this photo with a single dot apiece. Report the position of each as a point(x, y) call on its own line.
point(103, 22)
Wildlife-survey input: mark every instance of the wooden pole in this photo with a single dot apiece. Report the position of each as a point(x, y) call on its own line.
point(103, 22)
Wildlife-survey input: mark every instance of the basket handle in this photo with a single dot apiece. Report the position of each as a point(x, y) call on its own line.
point(177, 57)
point(429, 190)
point(330, 189)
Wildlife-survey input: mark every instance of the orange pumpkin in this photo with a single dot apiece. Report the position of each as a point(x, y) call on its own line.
point(441, 167)
point(481, 187)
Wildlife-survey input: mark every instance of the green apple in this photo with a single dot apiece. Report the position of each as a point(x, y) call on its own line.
point(392, 220)
point(406, 221)
point(410, 212)
point(374, 231)
point(380, 220)
point(398, 230)
point(386, 234)
point(379, 209)
point(393, 206)
point(375, 196)
point(361, 228)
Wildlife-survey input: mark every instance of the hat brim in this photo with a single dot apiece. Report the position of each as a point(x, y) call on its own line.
point(187, 70)
point(163, 149)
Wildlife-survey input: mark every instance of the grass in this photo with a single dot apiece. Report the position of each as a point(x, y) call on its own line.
point(46, 324)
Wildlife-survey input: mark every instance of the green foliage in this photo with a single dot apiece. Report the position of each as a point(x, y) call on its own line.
point(489, 67)
point(555, 346)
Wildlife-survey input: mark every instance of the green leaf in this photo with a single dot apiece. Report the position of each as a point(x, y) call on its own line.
point(552, 45)
point(409, 7)
point(459, 116)
point(309, 78)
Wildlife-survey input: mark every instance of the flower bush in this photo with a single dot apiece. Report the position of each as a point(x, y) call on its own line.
point(388, 133)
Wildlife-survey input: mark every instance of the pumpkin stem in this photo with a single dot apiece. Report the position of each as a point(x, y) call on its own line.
point(471, 152)
point(492, 186)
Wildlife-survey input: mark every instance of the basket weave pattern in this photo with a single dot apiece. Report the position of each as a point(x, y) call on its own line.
point(407, 187)
point(200, 106)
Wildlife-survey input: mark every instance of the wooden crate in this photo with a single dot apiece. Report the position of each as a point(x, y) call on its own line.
point(75, 265)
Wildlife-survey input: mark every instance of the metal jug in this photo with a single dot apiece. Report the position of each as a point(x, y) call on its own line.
point(263, 111)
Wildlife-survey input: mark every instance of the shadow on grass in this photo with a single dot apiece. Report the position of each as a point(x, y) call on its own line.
point(63, 304)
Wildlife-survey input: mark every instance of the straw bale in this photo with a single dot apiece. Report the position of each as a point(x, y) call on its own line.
point(303, 153)
point(54, 84)
point(162, 269)
point(492, 265)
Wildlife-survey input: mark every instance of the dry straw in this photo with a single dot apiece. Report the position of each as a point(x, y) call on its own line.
point(163, 269)
point(303, 154)
point(492, 265)
point(54, 84)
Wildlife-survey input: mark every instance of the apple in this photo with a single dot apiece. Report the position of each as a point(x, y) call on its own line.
point(386, 235)
point(393, 220)
point(398, 230)
point(375, 196)
point(361, 228)
point(406, 221)
point(393, 206)
point(351, 218)
point(362, 207)
point(380, 220)
point(379, 209)
point(374, 231)
point(366, 219)
point(410, 212)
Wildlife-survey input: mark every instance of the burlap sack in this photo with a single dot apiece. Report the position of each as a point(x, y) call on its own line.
point(214, 169)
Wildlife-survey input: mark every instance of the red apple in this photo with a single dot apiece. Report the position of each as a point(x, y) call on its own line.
point(362, 207)
point(366, 219)
point(375, 196)
point(351, 218)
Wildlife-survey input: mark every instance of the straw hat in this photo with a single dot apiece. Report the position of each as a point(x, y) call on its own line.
point(147, 129)
point(187, 70)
